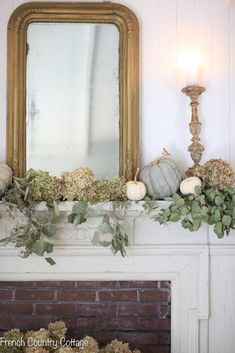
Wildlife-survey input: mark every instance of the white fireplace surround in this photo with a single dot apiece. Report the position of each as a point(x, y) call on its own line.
point(201, 269)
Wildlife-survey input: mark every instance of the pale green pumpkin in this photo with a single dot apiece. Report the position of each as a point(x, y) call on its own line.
point(5, 177)
point(162, 177)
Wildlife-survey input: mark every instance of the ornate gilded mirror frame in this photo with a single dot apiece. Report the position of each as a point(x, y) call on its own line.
point(89, 12)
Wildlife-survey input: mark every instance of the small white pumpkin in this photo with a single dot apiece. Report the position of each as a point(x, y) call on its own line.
point(5, 177)
point(187, 186)
point(135, 190)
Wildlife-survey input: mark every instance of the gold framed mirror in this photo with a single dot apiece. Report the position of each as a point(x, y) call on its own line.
point(25, 24)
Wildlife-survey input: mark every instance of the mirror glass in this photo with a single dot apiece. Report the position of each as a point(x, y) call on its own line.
point(72, 97)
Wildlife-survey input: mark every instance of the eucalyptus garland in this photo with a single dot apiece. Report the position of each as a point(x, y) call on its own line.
point(35, 234)
point(110, 233)
point(209, 205)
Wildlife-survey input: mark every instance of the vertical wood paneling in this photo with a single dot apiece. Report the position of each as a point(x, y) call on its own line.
point(159, 44)
point(232, 85)
point(203, 41)
point(185, 39)
point(218, 88)
point(167, 26)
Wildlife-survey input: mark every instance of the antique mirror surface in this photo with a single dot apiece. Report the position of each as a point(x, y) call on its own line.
point(73, 88)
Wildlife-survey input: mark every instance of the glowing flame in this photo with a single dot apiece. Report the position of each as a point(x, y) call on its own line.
point(189, 60)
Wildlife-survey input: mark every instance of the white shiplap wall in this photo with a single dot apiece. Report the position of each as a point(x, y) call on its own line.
point(166, 27)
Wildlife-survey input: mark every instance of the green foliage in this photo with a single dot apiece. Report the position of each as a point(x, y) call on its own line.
point(31, 237)
point(149, 205)
point(209, 205)
point(109, 233)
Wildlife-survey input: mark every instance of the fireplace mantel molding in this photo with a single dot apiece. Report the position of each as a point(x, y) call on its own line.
point(201, 269)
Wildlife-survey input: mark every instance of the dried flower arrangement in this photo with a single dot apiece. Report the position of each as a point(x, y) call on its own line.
point(212, 202)
point(208, 196)
point(53, 340)
point(34, 236)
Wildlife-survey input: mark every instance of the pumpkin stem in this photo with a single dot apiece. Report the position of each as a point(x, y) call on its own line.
point(136, 174)
point(164, 155)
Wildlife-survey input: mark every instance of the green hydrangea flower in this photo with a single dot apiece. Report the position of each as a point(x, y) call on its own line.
point(44, 186)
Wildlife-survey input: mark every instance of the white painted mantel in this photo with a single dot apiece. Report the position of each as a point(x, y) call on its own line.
point(199, 266)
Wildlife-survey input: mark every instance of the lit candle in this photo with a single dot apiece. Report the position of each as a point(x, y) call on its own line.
point(190, 62)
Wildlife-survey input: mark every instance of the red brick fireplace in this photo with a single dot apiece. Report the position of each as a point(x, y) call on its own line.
point(137, 312)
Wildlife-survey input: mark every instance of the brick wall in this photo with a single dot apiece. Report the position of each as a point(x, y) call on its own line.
point(137, 312)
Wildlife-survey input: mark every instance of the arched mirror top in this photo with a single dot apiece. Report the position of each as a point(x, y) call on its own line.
point(19, 81)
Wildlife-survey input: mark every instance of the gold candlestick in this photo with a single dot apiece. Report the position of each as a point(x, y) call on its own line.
point(196, 148)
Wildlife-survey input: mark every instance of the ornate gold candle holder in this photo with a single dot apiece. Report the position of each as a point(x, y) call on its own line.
point(196, 148)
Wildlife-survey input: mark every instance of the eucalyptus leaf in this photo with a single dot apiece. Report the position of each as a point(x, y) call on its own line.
point(211, 193)
point(49, 230)
point(96, 239)
point(80, 207)
point(71, 217)
point(105, 228)
point(174, 217)
point(50, 261)
point(79, 219)
point(219, 200)
point(233, 200)
point(56, 208)
point(184, 210)
point(187, 224)
point(218, 228)
point(217, 215)
point(41, 246)
point(4, 240)
point(42, 217)
point(204, 211)
point(198, 189)
point(227, 220)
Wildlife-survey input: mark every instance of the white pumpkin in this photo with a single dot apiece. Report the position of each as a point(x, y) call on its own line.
point(5, 177)
point(187, 186)
point(162, 177)
point(135, 190)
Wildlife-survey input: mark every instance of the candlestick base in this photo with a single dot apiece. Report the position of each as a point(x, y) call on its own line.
point(196, 148)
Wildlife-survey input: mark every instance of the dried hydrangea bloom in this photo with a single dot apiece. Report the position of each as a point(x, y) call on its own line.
point(13, 335)
point(84, 175)
point(216, 173)
point(57, 330)
point(36, 350)
point(45, 187)
point(64, 350)
point(117, 347)
point(28, 334)
point(91, 345)
point(76, 182)
point(112, 189)
point(38, 338)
